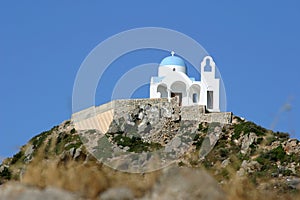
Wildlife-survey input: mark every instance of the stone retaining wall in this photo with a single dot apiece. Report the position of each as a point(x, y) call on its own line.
point(199, 113)
point(101, 117)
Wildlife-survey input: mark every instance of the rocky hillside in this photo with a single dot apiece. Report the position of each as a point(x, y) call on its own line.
point(235, 161)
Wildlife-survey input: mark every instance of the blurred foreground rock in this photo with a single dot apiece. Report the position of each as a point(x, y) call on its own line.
point(17, 191)
point(175, 183)
point(185, 183)
point(117, 194)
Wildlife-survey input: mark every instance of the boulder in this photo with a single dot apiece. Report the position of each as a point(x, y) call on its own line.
point(185, 183)
point(121, 193)
point(247, 141)
point(293, 182)
point(249, 166)
point(18, 191)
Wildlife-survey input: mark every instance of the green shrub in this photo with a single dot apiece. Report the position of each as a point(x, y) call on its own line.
point(73, 131)
point(260, 160)
point(259, 140)
point(223, 152)
point(38, 140)
point(270, 140)
point(282, 135)
point(48, 147)
point(198, 141)
point(277, 154)
point(225, 174)
point(194, 162)
point(247, 127)
point(287, 172)
point(6, 174)
point(17, 157)
point(65, 138)
point(238, 119)
point(73, 145)
point(207, 164)
point(200, 127)
point(274, 155)
point(242, 157)
point(294, 158)
point(135, 144)
point(181, 164)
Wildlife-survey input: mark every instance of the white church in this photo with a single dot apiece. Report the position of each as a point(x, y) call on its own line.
point(173, 81)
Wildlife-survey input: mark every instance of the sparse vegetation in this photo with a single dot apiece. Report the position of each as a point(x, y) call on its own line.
point(198, 139)
point(86, 176)
point(66, 141)
point(17, 157)
point(135, 144)
point(38, 140)
point(203, 127)
point(247, 127)
point(5, 174)
point(282, 136)
point(73, 131)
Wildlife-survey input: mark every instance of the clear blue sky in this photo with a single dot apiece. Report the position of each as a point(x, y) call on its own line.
point(256, 45)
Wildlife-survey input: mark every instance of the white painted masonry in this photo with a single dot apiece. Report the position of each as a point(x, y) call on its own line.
point(172, 81)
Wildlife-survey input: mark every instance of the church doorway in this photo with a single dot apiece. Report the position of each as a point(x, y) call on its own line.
point(178, 97)
point(210, 99)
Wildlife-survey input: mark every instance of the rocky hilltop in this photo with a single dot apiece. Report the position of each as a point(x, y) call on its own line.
point(203, 160)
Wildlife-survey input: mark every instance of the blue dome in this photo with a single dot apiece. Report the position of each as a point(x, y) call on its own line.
point(173, 60)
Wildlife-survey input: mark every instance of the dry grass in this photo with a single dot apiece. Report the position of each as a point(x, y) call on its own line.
point(89, 179)
point(243, 188)
point(86, 178)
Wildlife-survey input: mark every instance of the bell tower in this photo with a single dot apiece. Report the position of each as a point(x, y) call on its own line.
point(210, 84)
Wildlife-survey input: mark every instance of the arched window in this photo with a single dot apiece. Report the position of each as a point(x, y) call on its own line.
point(179, 86)
point(162, 89)
point(195, 98)
point(194, 93)
point(207, 67)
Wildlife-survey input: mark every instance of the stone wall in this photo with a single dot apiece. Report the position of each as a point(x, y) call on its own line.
point(102, 116)
point(199, 113)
